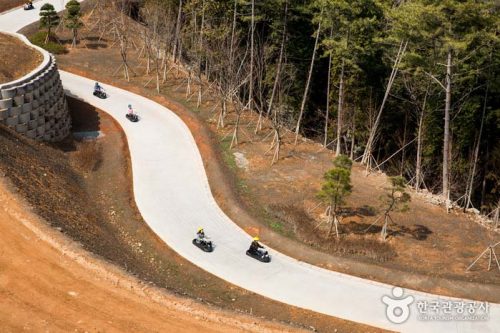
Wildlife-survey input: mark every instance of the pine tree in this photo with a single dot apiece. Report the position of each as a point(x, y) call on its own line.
point(335, 189)
point(73, 20)
point(48, 19)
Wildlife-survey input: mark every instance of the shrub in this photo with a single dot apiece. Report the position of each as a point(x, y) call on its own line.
point(52, 45)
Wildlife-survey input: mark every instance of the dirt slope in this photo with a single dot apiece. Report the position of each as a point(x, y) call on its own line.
point(16, 59)
point(48, 283)
point(84, 190)
point(9, 4)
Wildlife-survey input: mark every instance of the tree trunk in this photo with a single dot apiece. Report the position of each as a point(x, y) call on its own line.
point(280, 60)
point(340, 108)
point(446, 140)
point(418, 167)
point(200, 47)
point(177, 32)
point(252, 33)
point(234, 140)
point(468, 202)
point(327, 113)
point(233, 30)
point(353, 141)
point(373, 131)
point(75, 33)
point(308, 82)
point(403, 151)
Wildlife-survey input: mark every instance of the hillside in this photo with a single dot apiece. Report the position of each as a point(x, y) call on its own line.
point(17, 59)
point(83, 189)
point(427, 249)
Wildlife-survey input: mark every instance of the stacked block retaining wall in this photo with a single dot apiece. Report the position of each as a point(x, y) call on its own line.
point(35, 105)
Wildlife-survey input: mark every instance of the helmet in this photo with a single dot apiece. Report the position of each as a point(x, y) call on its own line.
point(256, 238)
point(200, 229)
point(130, 106)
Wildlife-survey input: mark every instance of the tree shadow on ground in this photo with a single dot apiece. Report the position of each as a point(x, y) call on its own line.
point(417, 231)
point(364, 210)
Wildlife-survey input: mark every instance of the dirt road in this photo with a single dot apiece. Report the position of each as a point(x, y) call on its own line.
point(48, 283)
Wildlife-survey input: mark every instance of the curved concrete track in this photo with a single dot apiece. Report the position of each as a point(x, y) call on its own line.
point(172, 192)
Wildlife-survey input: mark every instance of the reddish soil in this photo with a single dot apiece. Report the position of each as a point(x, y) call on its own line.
point(16, 58)
point(9, 4)
point(48, 283)
point(428, 249)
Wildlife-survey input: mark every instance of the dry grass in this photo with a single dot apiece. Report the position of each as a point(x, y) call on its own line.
point(88, 156)
point(303, 226)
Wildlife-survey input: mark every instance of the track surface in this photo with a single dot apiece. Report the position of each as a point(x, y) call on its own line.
point(172, 193)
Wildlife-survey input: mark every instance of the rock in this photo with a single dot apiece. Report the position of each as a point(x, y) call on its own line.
point(241, 161)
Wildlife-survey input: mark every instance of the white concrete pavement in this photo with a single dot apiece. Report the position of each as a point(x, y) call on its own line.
point(173, 195)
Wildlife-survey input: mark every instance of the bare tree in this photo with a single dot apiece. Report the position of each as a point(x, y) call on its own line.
point(177, 40)
point(308, 82)
point(367, 155)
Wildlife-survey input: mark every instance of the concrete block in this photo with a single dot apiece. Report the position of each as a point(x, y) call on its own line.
point(6, 103)
point(19, 100)
point(21, 90)
point(12, 121)
point(27, 107)
point(31, 133)
point(9, 93)
point(40, 130)
point(15, 111)
point(35, 113)
point(24, 118)
point(21, 128)
point(28, 97)
point(41, 121)
point(32, 124)
point(35, 104)
point(4, 114)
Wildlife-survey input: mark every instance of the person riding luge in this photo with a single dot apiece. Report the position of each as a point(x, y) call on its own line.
point(258, 251)
point(200, 234)
point(255, 245)
point(28, 5)
point(99, 91)
point(97, 87)
point(202, 242)
point(131, 115)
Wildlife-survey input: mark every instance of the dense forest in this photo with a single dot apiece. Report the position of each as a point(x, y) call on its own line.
point(410, 87)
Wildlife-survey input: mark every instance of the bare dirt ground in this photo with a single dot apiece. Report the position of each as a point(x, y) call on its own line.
point(428, 249)
point(83, 189)
point(9, 4)
point(48, 283)
point(16, 58)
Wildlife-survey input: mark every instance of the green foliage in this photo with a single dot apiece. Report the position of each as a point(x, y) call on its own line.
point(51, 45)
point(72, 18)
point(397, 199)
point(337, 184)
point(342, 162)
point(48, 17)
point(363, 37)
point(73, 15)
